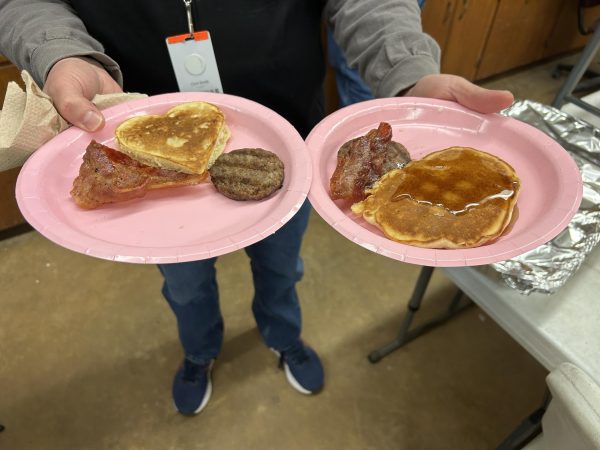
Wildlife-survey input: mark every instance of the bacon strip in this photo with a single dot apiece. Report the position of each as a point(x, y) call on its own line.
point(107, 176)
point(363, 160)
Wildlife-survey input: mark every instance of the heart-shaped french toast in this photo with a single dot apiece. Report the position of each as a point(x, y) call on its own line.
point(187, 138)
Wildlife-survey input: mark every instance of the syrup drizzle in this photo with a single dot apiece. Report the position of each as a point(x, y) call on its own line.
point(458, 182)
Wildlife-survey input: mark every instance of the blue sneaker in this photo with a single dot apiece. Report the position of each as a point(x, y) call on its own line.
point(303, 368)
point(192, 387)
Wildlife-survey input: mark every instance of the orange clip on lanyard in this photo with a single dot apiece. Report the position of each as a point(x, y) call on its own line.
point(197, 36)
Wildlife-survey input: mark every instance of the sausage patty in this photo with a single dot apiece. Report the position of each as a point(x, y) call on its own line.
point(247, 174)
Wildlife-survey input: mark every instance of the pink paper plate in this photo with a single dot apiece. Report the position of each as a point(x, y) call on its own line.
point(170, 225)
point(551, 186)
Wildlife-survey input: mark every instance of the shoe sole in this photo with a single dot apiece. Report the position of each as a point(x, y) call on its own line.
point(205, 400)
point(206, 396)
point(291, 380)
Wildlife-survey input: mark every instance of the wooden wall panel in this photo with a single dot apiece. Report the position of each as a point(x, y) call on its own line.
point(565, 36)
point(518, 35)
point(10, 215)
point(8, 72)
point(465, 46)
point(437, 19)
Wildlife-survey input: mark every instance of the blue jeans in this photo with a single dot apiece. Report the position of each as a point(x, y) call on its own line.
point(191, 290)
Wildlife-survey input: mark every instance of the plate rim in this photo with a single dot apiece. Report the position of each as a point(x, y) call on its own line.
point(292, 199)
point(378, 243)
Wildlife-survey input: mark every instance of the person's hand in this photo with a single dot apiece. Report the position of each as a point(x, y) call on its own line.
point(72, 83)
point(458, 89)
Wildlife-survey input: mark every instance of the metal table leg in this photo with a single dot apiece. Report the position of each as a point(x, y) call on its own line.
point(528, 428)
point(406, 335)
point(565, 93)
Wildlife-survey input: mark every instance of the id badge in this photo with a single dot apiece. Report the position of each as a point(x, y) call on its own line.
point(194, 62)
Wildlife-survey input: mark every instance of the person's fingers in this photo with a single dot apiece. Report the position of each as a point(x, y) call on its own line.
point(458, 89)
point(479, 99)
point(72, 83)
point(74, 107)
point(108, 84)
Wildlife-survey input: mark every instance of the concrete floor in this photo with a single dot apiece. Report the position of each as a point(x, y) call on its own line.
point(88, 349)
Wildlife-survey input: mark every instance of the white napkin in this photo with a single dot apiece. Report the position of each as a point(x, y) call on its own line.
point(28, 119)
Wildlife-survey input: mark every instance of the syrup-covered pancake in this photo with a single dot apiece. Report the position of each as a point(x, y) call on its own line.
point(454, 198)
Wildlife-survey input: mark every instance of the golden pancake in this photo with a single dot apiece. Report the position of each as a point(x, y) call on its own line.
point(187, 138)
point(454, 198)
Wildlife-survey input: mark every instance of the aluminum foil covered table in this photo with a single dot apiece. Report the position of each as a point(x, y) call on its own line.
point(548, 267)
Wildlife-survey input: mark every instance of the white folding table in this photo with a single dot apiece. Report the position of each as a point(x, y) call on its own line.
point(556, 328)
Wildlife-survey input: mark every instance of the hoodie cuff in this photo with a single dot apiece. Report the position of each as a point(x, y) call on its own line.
point(405, 74)
point(52, 51)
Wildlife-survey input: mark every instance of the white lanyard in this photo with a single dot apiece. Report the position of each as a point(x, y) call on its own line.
point(193, 58)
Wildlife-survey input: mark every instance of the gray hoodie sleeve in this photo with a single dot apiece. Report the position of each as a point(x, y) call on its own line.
point(384, 40)
point(35, 34)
